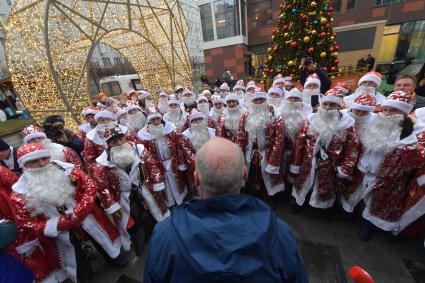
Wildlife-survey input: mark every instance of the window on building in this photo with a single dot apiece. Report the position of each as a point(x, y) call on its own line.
point(351, 4)
point(261, 13)
point(226, 18)
point(206, 20)
point(106, 61)
point(387, 2)
point(411, 40)
point(336, 4)
point(117, 61)
point(111, 88)
point(356, 39)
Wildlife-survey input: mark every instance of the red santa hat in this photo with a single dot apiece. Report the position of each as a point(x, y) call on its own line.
point(132, 107)
point(371, 77)
point(259, 94)
point(312, 79)
point(31, 151)
point(31, 132)
point(288, 81)
point(196, 115)
point(90, 110)
point(343, 87)
point(276, 90)
point(178, 87)
point(251, 84)
point(218, 99)
point(163, 94)
point(333, 96)
point(104, 114)
point(187, 91)
point(206, 92)
point(201, 97)
point(295, 92)
point(420, 114)
point(153, 116)
point(173, 101)
point(364, 102)
point(113, 132)
point(101, 105)
point(399, 100)
point(143, 94)
point(118, 111)
point(278, 79)
point(225, 87)
point(232, 97)
point(240, 85)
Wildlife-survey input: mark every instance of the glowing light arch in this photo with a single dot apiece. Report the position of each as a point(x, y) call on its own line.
point(50, 42)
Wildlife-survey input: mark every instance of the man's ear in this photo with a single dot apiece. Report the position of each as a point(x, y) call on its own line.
point(196, 176)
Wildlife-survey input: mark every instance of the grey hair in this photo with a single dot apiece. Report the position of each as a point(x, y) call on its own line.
point(223, 176)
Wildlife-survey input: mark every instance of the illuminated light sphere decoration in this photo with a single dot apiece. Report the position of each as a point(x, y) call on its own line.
point(49, 44)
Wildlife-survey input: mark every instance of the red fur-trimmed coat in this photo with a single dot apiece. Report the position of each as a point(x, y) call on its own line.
point(222, 131)
point(44, 230)
point(323, 175)
point(181, 163)
point(271, 151)
point(95, 145)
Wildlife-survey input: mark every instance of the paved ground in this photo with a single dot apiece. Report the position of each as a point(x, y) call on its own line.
point(328, 249)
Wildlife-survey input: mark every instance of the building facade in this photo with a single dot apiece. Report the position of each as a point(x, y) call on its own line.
point(237, 33)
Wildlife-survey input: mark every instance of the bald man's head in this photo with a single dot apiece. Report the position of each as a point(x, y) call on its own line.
point(219, 168)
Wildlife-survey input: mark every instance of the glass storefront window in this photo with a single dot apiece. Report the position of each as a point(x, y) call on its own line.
point(411, 40)
point(207, 23)
point(226, 18)
point(261, 13)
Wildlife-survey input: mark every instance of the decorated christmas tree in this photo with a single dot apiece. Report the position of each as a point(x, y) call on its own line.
point(304, 29)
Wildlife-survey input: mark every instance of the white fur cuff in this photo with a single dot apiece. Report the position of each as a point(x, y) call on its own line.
point(341, 174)
point(294, 169)
point(421, 180)
point(158, 187)
point(182, 167)
point(113, 208)
point(27, 246)
point(51, 228)
point(272, 169)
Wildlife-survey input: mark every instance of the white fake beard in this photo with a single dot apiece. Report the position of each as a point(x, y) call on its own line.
point(136, 121)
point(174, 117)
point(123, 121)
point(293, 116)
point(200, 135)
point(204, 108)
point(232, 118)
point(47, 186)
point(163, 105)
point(156, 130)
point(361, 121)
point(56, 150)
point(188, 100)
point(258, 118)
point(217, 111)
point(100, 128)
point(149, 104)
point(382, 134)
point(274, 101)
point(123, 155)
point(326, 123)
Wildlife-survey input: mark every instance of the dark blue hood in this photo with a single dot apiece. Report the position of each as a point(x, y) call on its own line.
point(226, 234)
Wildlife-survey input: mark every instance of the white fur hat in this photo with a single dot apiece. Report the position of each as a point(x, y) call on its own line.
point(232, 96)
point(259, 94)
point(371, 77)
point(399, 100)
point(276, 90)
point(154, 115)
point(104, 114)
point(312, 79)
point(364, 102)
point(333, 96)
point(196, 115)
point(294, 92)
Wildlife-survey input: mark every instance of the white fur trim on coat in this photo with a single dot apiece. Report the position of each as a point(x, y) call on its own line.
point(51, 228)
point(272, 169)
point(153, 206)
point(113, 208)
point(158, 187)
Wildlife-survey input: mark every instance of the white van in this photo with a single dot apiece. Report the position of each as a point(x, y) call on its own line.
point(116, 85)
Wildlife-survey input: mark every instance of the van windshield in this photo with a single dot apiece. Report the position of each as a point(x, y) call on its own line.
point(111, 88)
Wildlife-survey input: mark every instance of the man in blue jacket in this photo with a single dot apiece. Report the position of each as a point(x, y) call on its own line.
point(223, 236)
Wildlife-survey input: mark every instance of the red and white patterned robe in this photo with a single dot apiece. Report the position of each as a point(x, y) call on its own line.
point(50, 229)
point(382, 183)
point(322, 176)
point(114, 186)
point(83, 130)
point(168, 169)
point(270, 146)
point(94, 145)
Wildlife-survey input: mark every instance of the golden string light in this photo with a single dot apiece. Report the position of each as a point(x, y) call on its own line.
point(50, 42)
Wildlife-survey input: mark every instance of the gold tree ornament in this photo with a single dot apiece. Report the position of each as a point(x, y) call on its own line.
point(49, 44)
